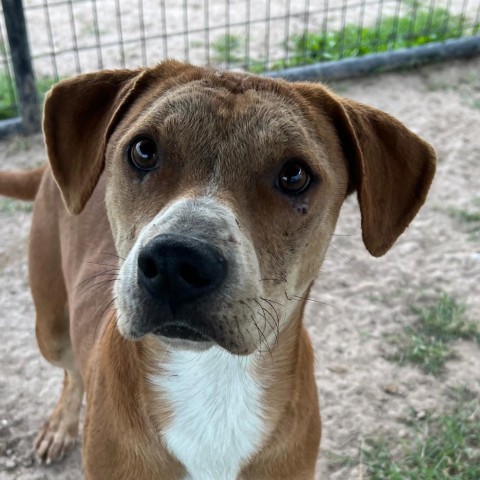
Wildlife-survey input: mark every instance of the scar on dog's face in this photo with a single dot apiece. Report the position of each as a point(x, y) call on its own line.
point(234, 193)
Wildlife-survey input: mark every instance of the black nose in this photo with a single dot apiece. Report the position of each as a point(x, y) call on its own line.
point(178, 269)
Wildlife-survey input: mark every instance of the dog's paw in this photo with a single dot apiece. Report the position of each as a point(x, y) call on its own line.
point(57, 436)
point(51, 446)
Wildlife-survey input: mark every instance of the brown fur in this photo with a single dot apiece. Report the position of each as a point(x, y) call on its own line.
point(234, 130)
point(22, 185)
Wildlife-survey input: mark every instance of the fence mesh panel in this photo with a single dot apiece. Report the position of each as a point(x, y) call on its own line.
point(68, 37)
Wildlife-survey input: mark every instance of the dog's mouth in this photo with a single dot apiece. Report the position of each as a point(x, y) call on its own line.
point(182, 332)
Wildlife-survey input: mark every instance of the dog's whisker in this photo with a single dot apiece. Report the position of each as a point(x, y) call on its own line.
point(113, 255)
point(111, 278)
point(258, 331)
point(249, 332)
point(341, 254)
point(262, 332)
point(109, 304)
point(276, 313)
point(240, 331)
point(104, 264)
point(264, 315)
point(93, 277)
point(262, 335)
point(297, 298)
point(273, 301)
point(95, 286)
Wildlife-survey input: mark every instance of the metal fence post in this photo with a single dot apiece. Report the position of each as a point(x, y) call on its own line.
point(22, 64)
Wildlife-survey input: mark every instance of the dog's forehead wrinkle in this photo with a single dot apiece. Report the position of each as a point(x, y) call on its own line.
point(255, 109)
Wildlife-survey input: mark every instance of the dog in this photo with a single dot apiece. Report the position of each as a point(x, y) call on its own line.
point(177, 231)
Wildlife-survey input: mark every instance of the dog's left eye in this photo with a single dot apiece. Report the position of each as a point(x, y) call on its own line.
point(293, 179)
point(143, 153)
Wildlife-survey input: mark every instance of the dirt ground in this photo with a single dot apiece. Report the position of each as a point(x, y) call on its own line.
point(362, 394)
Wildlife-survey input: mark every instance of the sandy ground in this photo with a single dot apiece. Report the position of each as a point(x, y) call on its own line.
point(362, 394)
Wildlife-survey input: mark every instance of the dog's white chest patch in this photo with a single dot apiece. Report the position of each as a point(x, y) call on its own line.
point(217, 415)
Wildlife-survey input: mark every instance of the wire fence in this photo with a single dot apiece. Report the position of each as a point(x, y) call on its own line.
point(68, 37)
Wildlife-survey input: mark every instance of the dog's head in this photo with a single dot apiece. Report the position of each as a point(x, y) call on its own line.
point(223, 190)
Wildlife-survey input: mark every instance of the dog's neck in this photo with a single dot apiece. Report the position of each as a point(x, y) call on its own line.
point(211, 410)
point(217, 417)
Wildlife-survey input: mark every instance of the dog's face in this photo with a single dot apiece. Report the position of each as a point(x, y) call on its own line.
point(222, 199)
point(223, 192)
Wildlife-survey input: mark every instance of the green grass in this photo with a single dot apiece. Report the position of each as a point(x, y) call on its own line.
point(336, 461)
point(7, 107)
point(419, 27)
point(9, 206)
point(444, 446)
point(468, 217)
point(228, 49)
point(427, 342)
point(7, 103)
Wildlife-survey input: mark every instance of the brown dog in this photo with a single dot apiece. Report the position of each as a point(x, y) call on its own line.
point(205, 231)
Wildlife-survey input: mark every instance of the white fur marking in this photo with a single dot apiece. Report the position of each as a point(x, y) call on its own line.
point(217, 415)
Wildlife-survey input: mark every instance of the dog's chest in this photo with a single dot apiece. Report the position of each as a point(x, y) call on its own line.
point(216, 412)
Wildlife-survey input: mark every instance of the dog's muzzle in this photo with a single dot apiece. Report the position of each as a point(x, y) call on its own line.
point(177, 272)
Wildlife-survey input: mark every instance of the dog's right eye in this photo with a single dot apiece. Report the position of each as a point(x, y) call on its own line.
point(143, 153)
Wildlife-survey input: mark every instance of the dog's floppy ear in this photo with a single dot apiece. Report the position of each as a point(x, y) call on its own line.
point(79, 116)
point(390, 167)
